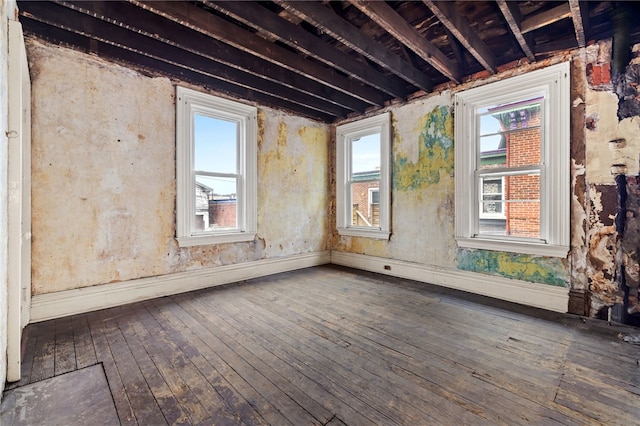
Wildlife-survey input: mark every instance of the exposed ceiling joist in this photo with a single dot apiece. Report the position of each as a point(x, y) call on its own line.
point(251, 70)
point(326, 60)
point(260, 18)
point(215, 80)
point(200, 20)
point(385, 16)
point(512, 15)
point(546, 18)
point(580, 20)
point(331, 24)
point(446, 13)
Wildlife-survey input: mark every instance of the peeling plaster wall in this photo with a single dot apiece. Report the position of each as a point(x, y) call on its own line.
point(7, 9)
point(612, 138)
point(104, 178)
point(422, 197)
point(422, 187)
point(423, 203)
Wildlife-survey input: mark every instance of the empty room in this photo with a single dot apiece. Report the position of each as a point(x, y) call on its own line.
point(320, 212)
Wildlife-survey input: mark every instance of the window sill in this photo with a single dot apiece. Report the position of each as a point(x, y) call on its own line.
point(539, 249)
point(208, 239)
point(376, 234)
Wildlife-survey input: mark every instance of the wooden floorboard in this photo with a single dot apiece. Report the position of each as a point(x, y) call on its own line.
point(334, 346)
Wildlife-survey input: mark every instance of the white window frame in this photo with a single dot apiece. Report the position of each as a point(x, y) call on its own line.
point(493, 215)
point(188, 104)
point(345, 134)
point(553, 83)
point(370, 199)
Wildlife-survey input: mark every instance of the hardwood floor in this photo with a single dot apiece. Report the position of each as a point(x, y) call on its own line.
point(332, 346)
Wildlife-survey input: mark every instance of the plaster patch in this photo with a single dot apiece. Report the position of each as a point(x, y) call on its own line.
point(536, 269)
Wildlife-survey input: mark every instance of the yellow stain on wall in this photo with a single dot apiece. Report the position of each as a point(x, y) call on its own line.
point(435, 158)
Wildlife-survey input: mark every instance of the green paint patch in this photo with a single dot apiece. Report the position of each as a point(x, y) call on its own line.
point(435, 155)
point(543, 270)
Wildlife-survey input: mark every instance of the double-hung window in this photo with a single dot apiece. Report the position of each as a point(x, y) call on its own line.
point(216, 154)
point(512, 164)
point(363, 187)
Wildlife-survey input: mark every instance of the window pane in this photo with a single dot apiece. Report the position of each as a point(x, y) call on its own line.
point(510, 135)
point(515, 211)
point(365, 154)
point(492, 197)
point(215, 144)
point(361, 201)
point(215, 211)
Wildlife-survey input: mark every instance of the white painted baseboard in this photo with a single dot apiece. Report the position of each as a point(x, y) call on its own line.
point(76, 301)
point(70, 302)
point(531, 294)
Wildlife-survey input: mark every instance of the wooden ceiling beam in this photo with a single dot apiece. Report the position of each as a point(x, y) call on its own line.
point(262, 19)
point(207, 23)
point(580, 17)
point(460, 28)
point(512, 15)
point(158, 28)
point(328, 22)
point(102, 31)
point(545, 18)
point(157, 67)
point(386, 17)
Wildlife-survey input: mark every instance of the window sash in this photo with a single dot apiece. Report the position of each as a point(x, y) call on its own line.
point(190, 103)
point(346, 135)
point(550, 88)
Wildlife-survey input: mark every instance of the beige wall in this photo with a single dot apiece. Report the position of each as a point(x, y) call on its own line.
point(104, 178)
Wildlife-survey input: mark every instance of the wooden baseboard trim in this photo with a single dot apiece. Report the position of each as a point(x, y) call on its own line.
point(543, 296)
point(76, 301)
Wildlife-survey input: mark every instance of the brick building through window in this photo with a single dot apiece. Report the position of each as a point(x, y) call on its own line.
point(510, 205)
point(366, 198)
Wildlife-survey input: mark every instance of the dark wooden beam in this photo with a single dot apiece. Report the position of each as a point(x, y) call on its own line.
point(330, 23)
point(458, 52)
point(545, 18)
point(580, 16)
point(104, 32)
point(207, 23)
point(297, 88)
point(512, 15)
point(260, 18)
point(152, 66)
point(384, 15)
point(551, 47)
point(460, 28)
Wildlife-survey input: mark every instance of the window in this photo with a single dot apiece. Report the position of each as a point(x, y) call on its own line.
point(363, 155)
point(216, 169)
point(512, 164)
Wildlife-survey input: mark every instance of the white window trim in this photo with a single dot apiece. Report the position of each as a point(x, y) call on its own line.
point(344, 134)
point(188, 103)
point(493, 215)
point(553, 83)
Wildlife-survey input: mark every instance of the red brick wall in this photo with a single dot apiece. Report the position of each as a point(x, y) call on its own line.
point(360, 194)
point(222, 213)
point(523, 148)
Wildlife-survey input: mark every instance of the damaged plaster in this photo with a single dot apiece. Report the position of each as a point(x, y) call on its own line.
point(535, 269)
point(422, 187)
point(104, 178)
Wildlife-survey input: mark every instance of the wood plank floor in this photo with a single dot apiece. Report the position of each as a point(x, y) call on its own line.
point(332, 346)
